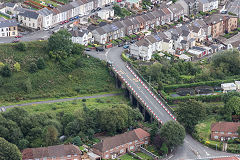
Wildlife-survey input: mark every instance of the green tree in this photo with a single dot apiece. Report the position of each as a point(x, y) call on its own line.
point(77, 48)
point(17, 67)
point(23, 143)
point(33, 67)
point(60, 44)
point(232, 107)
point(9, 151)
point(51, 135)
point(173, 133)
point(77, 141)
point(21, 46)
point(164, 149)
point(6, 71)
point(41, 63)
point(190, 113)
point(118, 11)
point(28, 85)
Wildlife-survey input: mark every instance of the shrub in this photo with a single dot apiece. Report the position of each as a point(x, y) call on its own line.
point(78, 62)
point(33, 67)
point(41, 63)
point(17, 67)
point(6, 71)
point(84, 100)
point(21, 46)
point(1, 64)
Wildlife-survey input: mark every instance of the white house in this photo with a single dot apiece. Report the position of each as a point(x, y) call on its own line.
point(207, 5)
point(46, 17)
point(105, 14)
point(8, 28)
point(237, 83)
point(141, 50)
point(82, 37)
point(100, 35)
point(30, 19)
point(228, 87)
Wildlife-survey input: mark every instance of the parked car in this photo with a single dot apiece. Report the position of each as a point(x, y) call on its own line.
point(81, 15)
point(93, 10)
point(76, 17)
point(120, 45)
point(107, 5)
point(110, 18)
point(87, 49)
point(99, 8)
point(62, 22)
point(71, 19)
point(125, 46)
point(16, 41)
point(99, 49)
point(18, 36)
point(132, 41)
point(45, 29)
point(66, 21)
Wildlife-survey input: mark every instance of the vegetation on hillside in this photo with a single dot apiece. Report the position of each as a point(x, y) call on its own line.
point(28, 71)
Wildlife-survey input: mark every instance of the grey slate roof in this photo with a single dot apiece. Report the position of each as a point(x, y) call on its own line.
point(65, 8)
point(203, 1)
point(127, 22)
point(78, 33)
point(8, 23)
point(143, 42)
point(29, 14)
point(100, 31)
point(176, 8)
point(185, 33)
point(10, 4)
point(44, 12)
point(151, 39)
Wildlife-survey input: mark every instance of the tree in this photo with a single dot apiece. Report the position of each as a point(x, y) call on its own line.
point(77, 141)
point(91, 133)
point(41, 63)
point(21, 46)
point(232, 107)
point(118, 11)
point(9, 151)
point(238, 131)
point(33, 67)
point(6, 71)
point(51, 135)
point(17, 67)
point(164, 149)
point(173, 133)
point(22, 144)
point(77, 48)
point(190, 113)
point(60, 44)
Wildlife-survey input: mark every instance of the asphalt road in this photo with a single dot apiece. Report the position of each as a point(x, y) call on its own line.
point(61, 100)
point(191, 149)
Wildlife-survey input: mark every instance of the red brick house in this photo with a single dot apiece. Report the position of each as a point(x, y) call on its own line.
point(58, 152)
point(112, 147)
point(222, 130)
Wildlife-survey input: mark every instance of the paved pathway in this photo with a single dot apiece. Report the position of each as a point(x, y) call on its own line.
point(61, 100)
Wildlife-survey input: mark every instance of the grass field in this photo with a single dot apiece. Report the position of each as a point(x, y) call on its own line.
point(144, 156)
point(127, 157)
point(75, 105)
point(56, 80)
point(204, 128)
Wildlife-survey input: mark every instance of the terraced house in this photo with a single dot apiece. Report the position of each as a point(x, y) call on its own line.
point(8, 28)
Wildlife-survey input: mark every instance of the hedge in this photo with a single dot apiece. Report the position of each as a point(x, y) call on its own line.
point(204, 98)
point(233, 148)
point(125, 58)
point(171, 88)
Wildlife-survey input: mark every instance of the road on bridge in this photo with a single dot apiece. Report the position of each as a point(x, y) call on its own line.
point(191, 149)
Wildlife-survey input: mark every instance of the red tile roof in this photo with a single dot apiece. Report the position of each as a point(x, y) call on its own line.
point(115, 141)
point(51, 151)
point(225, 127)
point(227, 158)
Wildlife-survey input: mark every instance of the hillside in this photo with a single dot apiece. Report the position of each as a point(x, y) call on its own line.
point(75, 75)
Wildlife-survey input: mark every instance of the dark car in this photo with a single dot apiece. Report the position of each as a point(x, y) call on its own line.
point(93, 10)
point(120, 45)
point(132, 41)
point(99, 49)
point(71, 19)
point(110, 18)
point(87, 49)
point(16, 41)
point(98, 9)
point(107, 5)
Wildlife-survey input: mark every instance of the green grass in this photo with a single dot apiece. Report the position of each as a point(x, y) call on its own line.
point(144, 156)
point(127, 157)
point(153, 150)
point(55, 80)
point(203, 129)
point(75, 105)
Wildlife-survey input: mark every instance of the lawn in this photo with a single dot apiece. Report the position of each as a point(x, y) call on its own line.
point(127, 157)
point(144, 156)
point(56, 80)
point(75, 105)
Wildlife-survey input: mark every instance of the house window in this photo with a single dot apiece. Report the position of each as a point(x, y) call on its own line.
point(13, 33)
point(68, 156)
point(132, 147)
point(146, 142)
point(106, 156)
point(3, 34)
point(215, 137)
point(33, 25)
point(136, 141)
point(130, 143)
point(222, 132)
point(216, 132)
point(122, 150)
point(229, 132)
point(24, 18)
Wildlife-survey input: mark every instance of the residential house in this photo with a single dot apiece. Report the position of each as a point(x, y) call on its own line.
point(136, 24)
point(166, 15)
point(82, 37)
point(224, 130)
point(100, 35)
point(106, 13)
point(8, 28)
point(153, 19)
point(129, 26)
point(65, 12)
point(142, 22)
point(70, 152)
point(228, 87)
point(198, 33)
point(78, 7)
point(198, 52)
point(10, 7)
point(221, 24)
point(141, 50)
point(148, 21)
point(189, 6)
point(177, 11)
point(30, 19)
point(158, 17)
point(112, 147)
point(207, 5)
point(56, 16)
point(46, 17)
point(202, 24)
point(167, 44)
